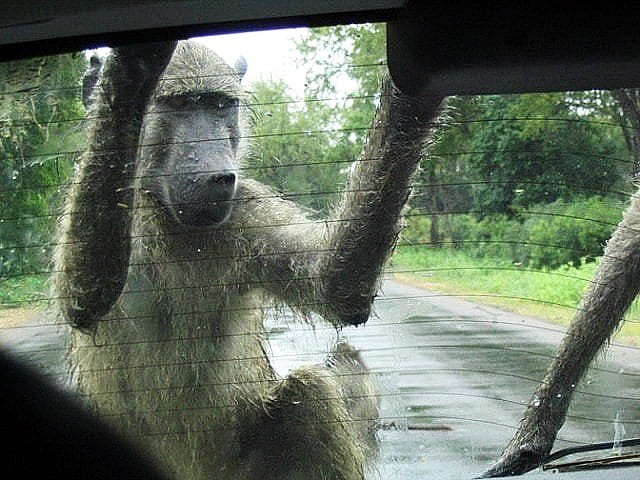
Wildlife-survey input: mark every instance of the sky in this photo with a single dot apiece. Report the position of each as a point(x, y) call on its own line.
point(268, 54)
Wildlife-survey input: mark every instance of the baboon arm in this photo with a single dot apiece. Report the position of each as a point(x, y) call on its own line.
point(93, 252)
point(612, 290)
point(364, 232)
point(333, 266)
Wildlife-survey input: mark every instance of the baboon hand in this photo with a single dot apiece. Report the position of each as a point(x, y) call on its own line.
point(350, 306)
point(524, 453)
point(358, 318)
point(511, 463)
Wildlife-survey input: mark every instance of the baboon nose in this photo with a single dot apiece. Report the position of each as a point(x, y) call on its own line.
point(212, 202)
point(223, 180)
point(205, 199)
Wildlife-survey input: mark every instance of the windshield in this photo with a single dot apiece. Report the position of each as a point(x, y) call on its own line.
point(511, 207)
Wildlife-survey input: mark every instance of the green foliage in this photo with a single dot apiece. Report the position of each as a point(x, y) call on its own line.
point(542, 236)
point(416, 228)
point(564, 232)
point(38, 98)
point(291, 154)
point(304, 148)
point(346, 64)
point(445, 174)
point(538, 148)
point(23, 290)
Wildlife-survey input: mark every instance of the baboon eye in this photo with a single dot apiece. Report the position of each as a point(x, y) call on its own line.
point(176, 101)
point(210, 100)
point(219, 102)
point(222, 103)
point(231, 102)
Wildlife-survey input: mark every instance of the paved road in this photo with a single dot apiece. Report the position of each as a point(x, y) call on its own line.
point(453, 375)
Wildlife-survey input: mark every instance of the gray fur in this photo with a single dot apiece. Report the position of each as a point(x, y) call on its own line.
point(168, 306)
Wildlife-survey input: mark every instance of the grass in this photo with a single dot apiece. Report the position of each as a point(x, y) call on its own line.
point(23, 291)
point(550, 295)
point(21, 298)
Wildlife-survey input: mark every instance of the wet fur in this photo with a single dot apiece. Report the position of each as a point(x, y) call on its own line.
point(169, 337)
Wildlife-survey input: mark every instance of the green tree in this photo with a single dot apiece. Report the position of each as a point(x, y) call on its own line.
point(538, 148)
point(293, 152)
point(345, 66)
point(304, 147)
point(625, 110)
point(444, 183)
point(39, 115)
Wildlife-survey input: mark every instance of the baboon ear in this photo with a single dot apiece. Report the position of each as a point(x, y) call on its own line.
point(241, 66)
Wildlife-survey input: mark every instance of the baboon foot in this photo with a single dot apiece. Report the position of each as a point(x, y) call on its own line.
point(359, 392)
point(344, 355)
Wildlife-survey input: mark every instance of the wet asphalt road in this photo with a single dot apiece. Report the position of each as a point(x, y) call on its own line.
point(454, 377)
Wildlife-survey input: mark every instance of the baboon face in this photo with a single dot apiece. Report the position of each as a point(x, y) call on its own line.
point(191, 138)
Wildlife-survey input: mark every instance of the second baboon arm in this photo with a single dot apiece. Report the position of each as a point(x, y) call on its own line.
point(92, 255)
point(613, 288)
point(334, 265)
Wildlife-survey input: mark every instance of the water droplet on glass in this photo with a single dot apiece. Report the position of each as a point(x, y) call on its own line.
point(619, 431)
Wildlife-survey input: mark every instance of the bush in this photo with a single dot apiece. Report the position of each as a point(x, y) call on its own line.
point(543, 236)
point(417, 228)
point(574, 232)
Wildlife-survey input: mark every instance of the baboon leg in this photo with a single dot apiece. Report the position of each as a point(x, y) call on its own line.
point(333, 266)
point(92, 256)
point(306, 432)
point(615, 285)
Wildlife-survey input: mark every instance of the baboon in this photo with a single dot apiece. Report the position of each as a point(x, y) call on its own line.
point(615, 285)
point(167, 253)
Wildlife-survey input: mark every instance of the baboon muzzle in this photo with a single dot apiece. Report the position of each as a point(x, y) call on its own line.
point(205, 199)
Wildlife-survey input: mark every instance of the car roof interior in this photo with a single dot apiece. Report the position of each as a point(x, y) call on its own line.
point(436, 47)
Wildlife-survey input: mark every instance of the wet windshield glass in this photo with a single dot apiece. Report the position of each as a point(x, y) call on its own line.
point(242, 184)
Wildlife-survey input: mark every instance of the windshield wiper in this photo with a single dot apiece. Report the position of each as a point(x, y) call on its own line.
point(615, 459)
